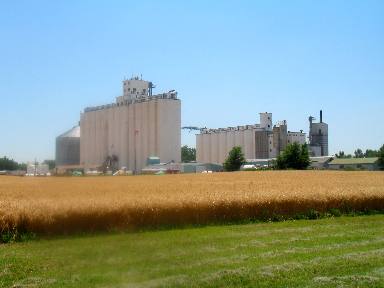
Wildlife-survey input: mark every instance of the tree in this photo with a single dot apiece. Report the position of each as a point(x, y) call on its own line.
point(51, 164)
point(8, 164)
point(234, 160)
point(371, 153)
point(11, 165)
point(381, 157)
point(341, 154)
point(188, 154)
point(295, 156)
point(304, 156)
point(359, 153)
point(22, 166)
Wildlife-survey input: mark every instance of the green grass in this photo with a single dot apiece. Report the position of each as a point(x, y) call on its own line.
point(332, 252)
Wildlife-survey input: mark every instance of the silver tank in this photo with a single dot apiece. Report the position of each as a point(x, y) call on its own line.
point(68, 147)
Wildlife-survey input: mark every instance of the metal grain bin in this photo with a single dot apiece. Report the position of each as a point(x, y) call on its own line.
point(68, 148)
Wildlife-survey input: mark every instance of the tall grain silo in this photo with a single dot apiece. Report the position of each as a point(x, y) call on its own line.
point(68, 149)
point(318, 136)
point(138, 125)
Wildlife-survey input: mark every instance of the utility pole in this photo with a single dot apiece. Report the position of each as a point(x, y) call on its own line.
point(35, 168)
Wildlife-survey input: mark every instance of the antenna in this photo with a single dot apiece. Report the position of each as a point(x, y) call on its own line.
point(311, 118)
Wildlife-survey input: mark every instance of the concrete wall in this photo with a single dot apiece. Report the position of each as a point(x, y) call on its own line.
point(256, 142)
point(131, 132)
point(266, 121)
point(272, 151)
point(249, 143)
point(214, 147)
point(259, 141)
point(262, 145)
point(318, 135)
point(296, 137)
point(314, 151)
point(280, 138)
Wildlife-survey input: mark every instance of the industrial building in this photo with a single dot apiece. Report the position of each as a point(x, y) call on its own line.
point(370, 163)
point(258, 141)
point(318, 137)
point(125, 133)
point(139, 126)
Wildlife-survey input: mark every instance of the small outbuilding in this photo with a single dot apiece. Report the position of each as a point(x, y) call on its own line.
point(354, 164)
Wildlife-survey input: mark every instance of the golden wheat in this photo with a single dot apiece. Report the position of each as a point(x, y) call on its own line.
point(67, 205)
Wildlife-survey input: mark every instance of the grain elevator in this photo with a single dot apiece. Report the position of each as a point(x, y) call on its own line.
point(258, 141)
point(125, 133)
point(318, 136)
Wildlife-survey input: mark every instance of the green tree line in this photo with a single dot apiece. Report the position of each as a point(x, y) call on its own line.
point(188, 154)
point(360, 154)
point(11, 165)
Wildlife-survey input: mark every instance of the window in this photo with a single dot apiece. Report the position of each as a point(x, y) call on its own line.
point(134, 90)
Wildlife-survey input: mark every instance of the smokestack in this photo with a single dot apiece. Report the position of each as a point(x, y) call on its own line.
point(321, 116)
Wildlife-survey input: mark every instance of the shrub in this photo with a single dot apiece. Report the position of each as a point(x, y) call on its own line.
point(295, 156)
point(234, 160)
point(381, 158)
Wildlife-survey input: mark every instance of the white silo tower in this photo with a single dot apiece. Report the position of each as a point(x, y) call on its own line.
point(266, 121)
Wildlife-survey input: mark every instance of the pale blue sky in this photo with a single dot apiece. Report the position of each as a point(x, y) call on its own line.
point(229, 60)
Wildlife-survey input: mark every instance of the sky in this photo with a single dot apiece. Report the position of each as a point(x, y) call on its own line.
point(228, 60)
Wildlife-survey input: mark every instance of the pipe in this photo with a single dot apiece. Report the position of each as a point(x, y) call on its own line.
point(321, 116)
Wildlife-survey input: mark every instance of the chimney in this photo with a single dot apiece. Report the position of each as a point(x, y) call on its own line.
point(321, 116)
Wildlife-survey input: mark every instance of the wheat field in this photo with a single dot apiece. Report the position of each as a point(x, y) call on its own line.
point(57, 205)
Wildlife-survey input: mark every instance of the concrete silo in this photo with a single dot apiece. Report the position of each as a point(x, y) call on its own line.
point(137, 126)
point(318, 136)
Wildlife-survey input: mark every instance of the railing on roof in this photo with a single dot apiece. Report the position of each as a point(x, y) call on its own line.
point(169, 95)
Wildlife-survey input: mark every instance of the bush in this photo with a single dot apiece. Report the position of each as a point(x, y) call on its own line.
point(381, 158)
point(234, 160)
point(295, 156)
point(335, 212)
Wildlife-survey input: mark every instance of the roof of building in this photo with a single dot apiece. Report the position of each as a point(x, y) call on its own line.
point(320, 159)
point(201, 164)
point(74, 132)
point(353, 161)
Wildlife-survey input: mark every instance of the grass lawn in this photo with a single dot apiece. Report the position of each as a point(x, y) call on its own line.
point(333, 252)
